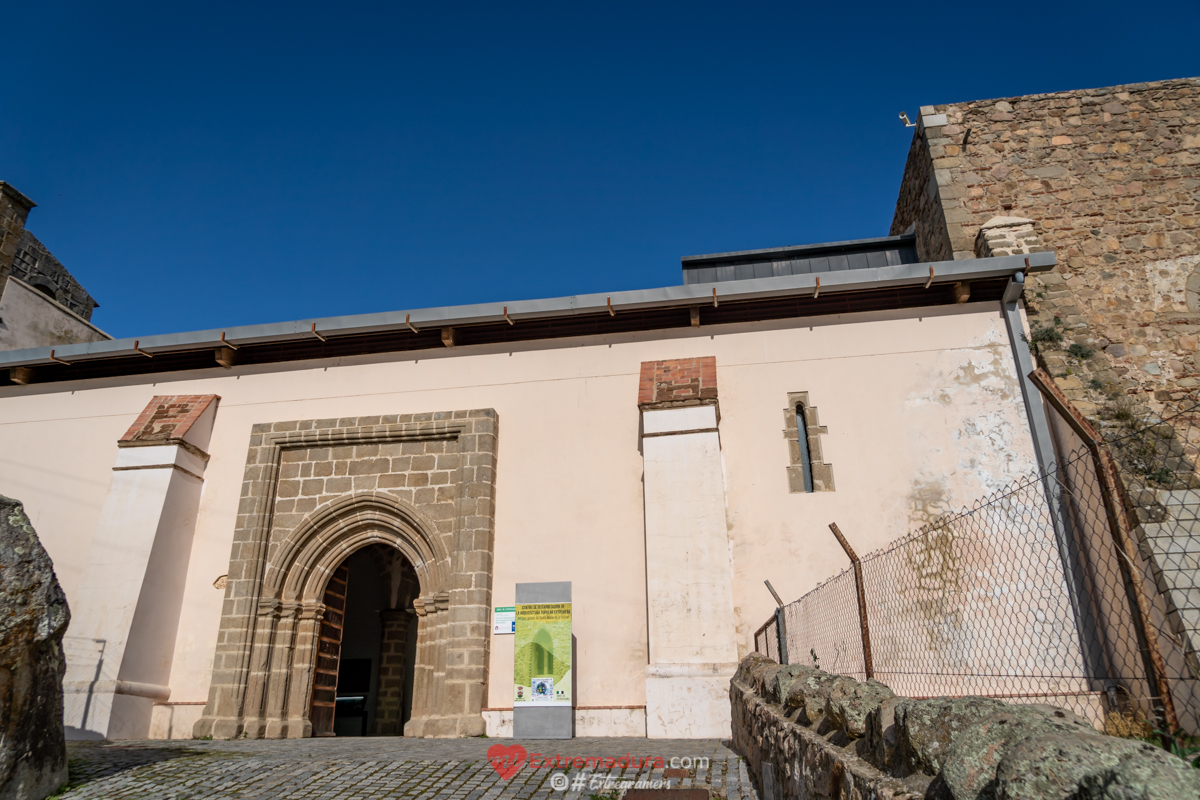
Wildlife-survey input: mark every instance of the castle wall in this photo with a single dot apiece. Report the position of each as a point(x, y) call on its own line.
point(1111, 177)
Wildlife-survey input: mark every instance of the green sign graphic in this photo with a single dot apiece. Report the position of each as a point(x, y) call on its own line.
point(542, 667)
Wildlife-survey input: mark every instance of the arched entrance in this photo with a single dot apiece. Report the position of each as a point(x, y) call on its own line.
point(366, 652)
point(314, 493)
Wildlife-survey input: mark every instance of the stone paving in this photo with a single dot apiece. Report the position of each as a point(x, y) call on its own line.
point(398, 767)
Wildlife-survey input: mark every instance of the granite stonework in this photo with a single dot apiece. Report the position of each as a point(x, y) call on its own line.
point(33, 619)
point(314, 492)
point(809, 735)
point(1107, 178)
point(14, 210)
point(37, 266)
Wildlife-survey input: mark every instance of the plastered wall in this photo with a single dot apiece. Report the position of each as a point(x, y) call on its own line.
point(922, 409)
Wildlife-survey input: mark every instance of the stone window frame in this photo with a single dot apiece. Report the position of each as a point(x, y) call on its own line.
point(822, 472)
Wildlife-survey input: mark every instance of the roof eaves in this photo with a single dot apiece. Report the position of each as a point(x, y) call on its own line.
point(483, 313)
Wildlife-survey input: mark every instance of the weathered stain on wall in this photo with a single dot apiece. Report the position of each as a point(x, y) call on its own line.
point(978, 387)
point(935, 563)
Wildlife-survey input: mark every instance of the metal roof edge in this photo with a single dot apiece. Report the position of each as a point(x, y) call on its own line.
point(482, 313)
point(689, 261)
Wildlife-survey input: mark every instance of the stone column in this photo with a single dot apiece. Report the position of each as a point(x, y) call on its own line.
point(423, 670)
point(303, 657)
point(389, 705)
point(436, 723)
point(689, 581)
point(122, 641)
point(260, 668)
point(283, 647)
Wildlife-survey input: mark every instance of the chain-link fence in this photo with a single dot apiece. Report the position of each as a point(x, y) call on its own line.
point(1076, 588)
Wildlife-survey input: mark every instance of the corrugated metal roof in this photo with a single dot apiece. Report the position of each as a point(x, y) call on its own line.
point(888, 251)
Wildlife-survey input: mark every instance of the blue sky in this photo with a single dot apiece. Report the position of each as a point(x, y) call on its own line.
point(210, 165)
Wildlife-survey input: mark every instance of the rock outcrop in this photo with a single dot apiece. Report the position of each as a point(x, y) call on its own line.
point(33, 619)
point(808, 734)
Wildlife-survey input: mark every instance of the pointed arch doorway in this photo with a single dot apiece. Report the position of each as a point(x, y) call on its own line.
point(291, 539)
point(363, 678)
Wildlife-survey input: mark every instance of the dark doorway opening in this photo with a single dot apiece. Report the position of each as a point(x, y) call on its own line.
point(375, 648)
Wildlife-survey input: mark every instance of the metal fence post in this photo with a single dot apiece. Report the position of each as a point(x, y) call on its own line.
point(1118, 522)
point(862, 599)
point(780, 624)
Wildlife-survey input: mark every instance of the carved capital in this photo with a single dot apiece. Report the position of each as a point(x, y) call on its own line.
point(312, 611)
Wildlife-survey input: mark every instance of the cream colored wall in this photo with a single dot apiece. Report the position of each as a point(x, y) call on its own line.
point(923, 414)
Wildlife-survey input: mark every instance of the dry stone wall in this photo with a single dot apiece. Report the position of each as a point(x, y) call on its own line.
point(810, 735)
point(1110, 179)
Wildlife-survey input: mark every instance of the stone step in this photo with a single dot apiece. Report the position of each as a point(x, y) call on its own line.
point(1184, 595)
point(1174, 560)
point(1182, 530)
point(1179, 497)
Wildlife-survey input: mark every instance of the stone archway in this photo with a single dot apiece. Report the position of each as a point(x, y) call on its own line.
point(427, 493)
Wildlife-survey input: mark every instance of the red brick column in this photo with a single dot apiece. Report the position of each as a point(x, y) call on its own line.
point(678, 382)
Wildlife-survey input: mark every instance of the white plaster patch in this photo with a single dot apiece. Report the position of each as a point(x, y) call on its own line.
point(976, 394)
point(1168, 282)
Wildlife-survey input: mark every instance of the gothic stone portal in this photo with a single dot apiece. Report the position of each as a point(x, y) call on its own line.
point(315, 492)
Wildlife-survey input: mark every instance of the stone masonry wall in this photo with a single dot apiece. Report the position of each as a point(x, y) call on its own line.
point(38, 267)
point(920, 205)
point(1111, 180)
point(14, 210)
point(810, 735)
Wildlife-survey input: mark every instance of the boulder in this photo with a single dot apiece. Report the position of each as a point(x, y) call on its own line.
point(925, 729)
point(850, 702)
point(784, 679)
point(970, 766)
point(747, 667)
point(764, 678)
point(33, 619)
point(810, 694)
point(879, 745)
point(1085, 766)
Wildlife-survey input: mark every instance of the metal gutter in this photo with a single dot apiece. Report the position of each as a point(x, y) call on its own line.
point(1043, 449)
point(905, 275)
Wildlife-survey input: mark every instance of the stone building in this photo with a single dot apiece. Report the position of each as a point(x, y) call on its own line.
point(1107, 178)
point(41, 304)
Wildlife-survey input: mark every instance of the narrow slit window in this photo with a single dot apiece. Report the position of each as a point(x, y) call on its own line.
point(805, 456)
point(807, 471)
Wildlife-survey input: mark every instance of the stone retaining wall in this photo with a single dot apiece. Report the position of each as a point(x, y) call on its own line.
point(810, 735)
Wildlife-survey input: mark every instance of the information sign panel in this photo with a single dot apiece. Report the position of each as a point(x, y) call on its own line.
point(504, 620)
point(542, 666)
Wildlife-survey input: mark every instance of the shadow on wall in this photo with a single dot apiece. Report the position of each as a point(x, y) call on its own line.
point(81, 689)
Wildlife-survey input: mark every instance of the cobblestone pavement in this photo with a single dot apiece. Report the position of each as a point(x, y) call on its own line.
point(397, 767)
